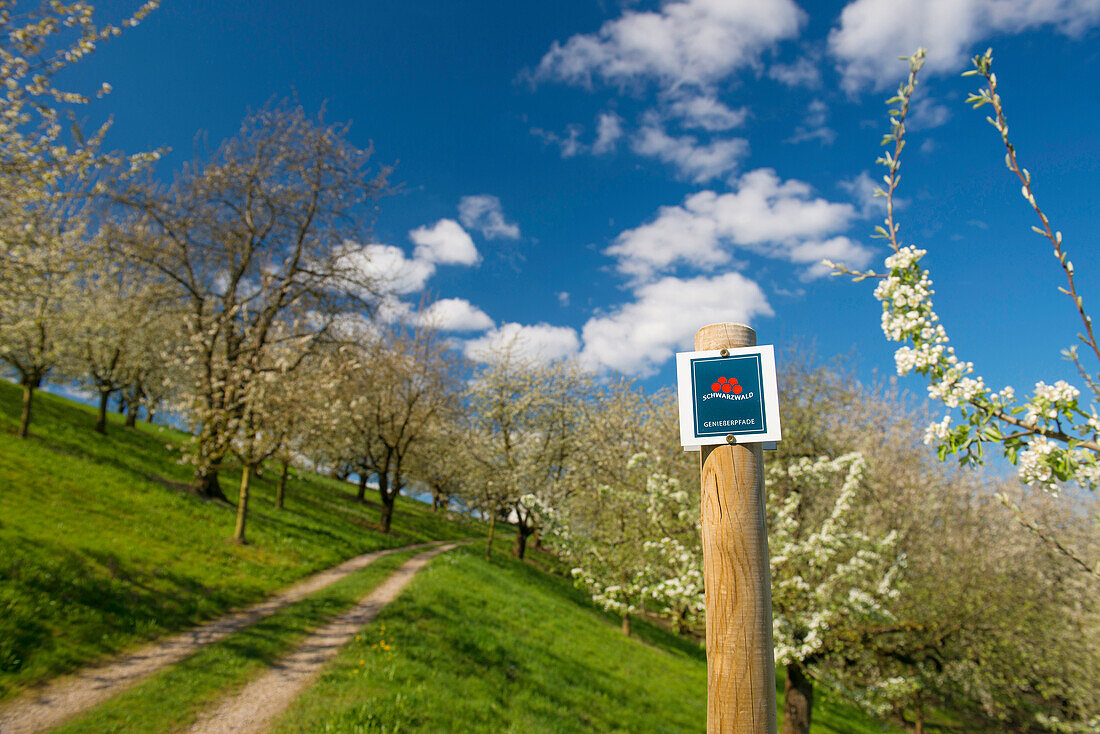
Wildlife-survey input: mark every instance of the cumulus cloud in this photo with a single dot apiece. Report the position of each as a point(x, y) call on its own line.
point(764, 214)
point(445, 242)
point(639, 336)
point(539, 341)
point(694, 42)
point(388, 267)
point(804, 72)
point(569, 144)
point(707, 113)
point(609, 128)
point(391, 309)
point(455, 314)
point(862, 190)
point(836, 249)
point(692, 159)
point(485, 214)
point(926, 113)
point(813, 126)
point(872, 33)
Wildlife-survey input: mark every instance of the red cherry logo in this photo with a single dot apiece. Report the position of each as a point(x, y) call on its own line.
point(726, 385)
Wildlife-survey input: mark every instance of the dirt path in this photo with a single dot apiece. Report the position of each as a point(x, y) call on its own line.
point(261, 701)
point(63, 698)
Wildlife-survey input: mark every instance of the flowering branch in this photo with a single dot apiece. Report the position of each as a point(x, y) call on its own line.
point(983, 66)
point(1052, 438)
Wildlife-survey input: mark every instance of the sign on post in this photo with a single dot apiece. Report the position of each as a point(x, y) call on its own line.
point(729, 408)
point(728, 396)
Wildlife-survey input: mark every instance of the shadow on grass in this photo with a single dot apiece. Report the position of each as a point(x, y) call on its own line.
point(89, 604)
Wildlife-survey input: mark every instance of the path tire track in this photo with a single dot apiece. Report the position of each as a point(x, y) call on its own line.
point(61, 699)
point(257, 705)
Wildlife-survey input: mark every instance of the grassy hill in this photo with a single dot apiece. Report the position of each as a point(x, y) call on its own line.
point(104, 549)
point(504, 647)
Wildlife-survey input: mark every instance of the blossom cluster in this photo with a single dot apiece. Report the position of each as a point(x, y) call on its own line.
point(1042, 451)
point(827, 577)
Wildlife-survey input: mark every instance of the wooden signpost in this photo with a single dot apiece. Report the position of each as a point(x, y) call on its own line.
point(730, 430)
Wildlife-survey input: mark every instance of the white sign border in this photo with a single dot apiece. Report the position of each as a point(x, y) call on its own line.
point(770, 388)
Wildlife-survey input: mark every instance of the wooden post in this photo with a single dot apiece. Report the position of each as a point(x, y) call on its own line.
point(737, 576)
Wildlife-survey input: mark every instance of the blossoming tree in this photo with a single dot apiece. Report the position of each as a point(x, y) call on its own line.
point(829, 575)
point(257, 239)
point(44, 167)
point(523, 414)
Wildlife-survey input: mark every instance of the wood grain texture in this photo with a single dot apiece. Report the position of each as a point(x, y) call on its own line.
point(740, 658)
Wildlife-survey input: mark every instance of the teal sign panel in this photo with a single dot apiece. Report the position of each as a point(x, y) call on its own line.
point(728, 396)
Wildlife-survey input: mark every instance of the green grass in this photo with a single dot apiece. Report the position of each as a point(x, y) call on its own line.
point(170, 700)
point(102, 548)
point(503, 647)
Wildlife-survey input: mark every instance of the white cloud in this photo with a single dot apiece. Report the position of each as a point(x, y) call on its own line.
point(391, 309)
point(455, 314)
point(925, 113)
point(813, 126)
point(638, 337)
point(570, 144)
point(707, 113)
point(862, 189)
point(764, 214)
point(872, 33)
point(539, 341)
point(609, 128)
point(485, 214)
point(445, 242)
point(802, 73)
point(354, 326)
point(838, 249)
point(692, 160)
point(691, 42)
point(388, 267)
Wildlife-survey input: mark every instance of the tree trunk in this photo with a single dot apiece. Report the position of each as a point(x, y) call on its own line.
point(242, 504)
point(435, 500)
point(682, 626)
point(492, 528)
point(626, 624)
point(28, 402)
point(520, 548)
point(280, 489)
point(387, 515)
point(798, 700)
point(205, 483)
point(918, 714)
point(387, 502)
point(101, 416)
point(361, 494)
point(132, 413)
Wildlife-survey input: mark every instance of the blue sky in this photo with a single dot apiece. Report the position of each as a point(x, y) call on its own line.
point(605, 177)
